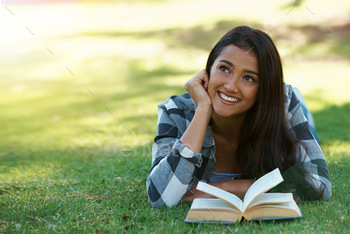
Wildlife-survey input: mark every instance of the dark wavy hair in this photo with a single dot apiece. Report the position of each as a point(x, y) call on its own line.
point(265, 141)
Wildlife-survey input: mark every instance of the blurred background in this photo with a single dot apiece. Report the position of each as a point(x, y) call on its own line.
point(86, 76)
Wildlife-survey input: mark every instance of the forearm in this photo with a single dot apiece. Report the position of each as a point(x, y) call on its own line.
point(194, 135)
point(237, 187)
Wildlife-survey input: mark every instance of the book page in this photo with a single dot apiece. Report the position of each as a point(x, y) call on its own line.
point(212, 209)
point(274, 211)
point(262, 185)
point(271, 198)
point(219, 193)
point(211, 203)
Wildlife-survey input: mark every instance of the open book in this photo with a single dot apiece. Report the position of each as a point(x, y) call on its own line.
point(256, 205)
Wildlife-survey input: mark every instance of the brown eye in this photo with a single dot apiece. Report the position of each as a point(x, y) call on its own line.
point(224, 69)
point(249, 78)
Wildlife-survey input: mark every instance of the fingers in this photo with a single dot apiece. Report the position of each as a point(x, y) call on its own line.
point(204, 75)
point(197, 87)
point(201, 79)
point(205, 85)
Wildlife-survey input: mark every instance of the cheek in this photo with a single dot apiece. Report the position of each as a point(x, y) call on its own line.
point(215, 78)
point(212, 80)
point(211, 87)
point(253, 94)
point(249, 92)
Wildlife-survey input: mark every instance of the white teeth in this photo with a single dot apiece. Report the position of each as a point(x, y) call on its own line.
point(231, 99)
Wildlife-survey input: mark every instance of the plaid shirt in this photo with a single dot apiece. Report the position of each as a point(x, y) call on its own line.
point(175, 168)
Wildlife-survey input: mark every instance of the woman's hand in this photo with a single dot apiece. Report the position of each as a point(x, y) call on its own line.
point(194, 135)
point(239, 187)
point(193, 193)
point(197, 87)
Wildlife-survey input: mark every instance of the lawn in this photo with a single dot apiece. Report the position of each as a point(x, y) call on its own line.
point(79, 88)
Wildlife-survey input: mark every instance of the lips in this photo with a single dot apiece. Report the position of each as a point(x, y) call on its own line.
point(227, 98)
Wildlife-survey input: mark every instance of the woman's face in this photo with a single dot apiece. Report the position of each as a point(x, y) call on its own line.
point(234, 81)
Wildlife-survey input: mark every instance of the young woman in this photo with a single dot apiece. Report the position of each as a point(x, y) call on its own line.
point(237, 122)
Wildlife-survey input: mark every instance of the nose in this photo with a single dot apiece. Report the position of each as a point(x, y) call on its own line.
point(232, 84)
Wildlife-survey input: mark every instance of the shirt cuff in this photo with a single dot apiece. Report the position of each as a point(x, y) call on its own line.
point(184, 151)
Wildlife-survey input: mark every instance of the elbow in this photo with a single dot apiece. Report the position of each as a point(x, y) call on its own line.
point(156, 204)
point(327, 192)
point(324, 191)
point(154, 196)
point(327, 196)
point(156, 199)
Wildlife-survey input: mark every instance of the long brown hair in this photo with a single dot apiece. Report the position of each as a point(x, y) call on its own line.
point(265, 141)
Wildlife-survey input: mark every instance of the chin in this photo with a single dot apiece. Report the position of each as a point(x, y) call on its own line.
point(224, 113)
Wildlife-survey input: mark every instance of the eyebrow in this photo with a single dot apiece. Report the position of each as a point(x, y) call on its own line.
point(231, 64)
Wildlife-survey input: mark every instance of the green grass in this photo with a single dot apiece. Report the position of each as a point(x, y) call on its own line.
point(75, 149)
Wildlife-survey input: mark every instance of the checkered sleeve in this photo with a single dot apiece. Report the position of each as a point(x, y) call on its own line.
point(312, 156)
point(173, 164)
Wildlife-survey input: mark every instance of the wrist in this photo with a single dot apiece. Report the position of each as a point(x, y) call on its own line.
point(205, 110)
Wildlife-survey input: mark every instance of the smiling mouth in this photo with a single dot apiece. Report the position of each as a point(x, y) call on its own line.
point(227, 98)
